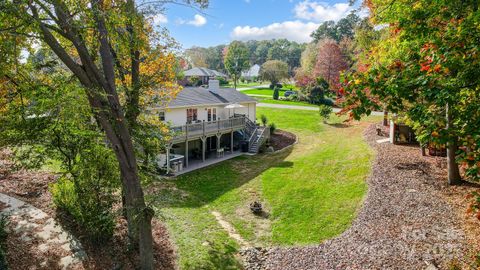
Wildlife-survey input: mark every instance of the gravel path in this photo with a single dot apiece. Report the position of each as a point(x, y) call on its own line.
point(403, 224)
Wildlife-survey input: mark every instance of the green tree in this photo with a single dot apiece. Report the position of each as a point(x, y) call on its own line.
point(344, 28)
point(274, 71)
point(426, 69)
point(237, 60)
point(276, 93)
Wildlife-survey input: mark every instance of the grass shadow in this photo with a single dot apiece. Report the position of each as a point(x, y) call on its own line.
point(207, 184)
point(339, 125)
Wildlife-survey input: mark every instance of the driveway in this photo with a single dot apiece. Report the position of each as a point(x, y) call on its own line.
point(252, 87)
point(299, 107)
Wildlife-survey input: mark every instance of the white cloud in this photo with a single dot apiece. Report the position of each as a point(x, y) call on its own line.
point(320, 11)
point(292, 30)
point(159, 19)
point(198, 20)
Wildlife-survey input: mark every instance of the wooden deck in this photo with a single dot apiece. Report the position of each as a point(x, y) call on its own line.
point(204, 129)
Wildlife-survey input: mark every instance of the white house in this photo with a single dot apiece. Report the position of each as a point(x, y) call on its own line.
point(203, 74)
point(252, 73)
point(214, 123)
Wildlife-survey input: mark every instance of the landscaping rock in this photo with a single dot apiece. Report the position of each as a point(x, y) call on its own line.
point(270, 149)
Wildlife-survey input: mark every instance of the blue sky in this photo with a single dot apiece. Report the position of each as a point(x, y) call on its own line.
point(227, 20)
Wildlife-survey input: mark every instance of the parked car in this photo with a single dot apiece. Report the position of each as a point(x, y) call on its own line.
point(288, 93)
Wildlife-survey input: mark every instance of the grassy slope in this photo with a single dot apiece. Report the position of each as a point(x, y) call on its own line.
point(310, 192)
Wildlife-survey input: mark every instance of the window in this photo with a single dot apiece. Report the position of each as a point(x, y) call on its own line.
point(161, 115)
point(212, 114)
point(191, 115)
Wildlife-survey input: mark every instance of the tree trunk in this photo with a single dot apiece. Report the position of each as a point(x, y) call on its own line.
point(454, 177)
point(101, 92)
point(235, 81)
point(385, 117)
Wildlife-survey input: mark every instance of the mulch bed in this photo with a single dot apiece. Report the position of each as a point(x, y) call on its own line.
point(32, 187)
point(281, 139)
point(410, 219)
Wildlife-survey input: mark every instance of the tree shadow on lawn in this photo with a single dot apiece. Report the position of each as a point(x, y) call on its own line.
point(339, 125)
point(205, 185)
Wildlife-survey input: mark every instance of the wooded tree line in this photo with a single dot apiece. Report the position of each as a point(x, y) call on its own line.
point(335, 49)
point(258, 53)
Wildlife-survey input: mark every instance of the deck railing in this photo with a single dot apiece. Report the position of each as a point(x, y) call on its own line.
point(207, 128)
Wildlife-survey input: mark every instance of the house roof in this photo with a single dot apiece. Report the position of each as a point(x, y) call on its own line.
point(203, 72)
point(196, 96)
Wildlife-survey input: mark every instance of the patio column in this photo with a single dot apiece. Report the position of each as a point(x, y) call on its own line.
point(231, 142)
point(219, 135)
point(203, 138)
point(169, 146)
point(186, 153)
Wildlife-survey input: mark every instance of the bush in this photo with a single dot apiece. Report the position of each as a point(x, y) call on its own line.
point(264, 119)
point(293, 97)
point(222, 80)
point(276, 93)
point(88, 194)
point(325, 112)
point(3, 241)
point(272, 86)
point(272, 128)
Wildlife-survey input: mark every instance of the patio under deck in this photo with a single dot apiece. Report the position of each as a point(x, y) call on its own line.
point(195, 164)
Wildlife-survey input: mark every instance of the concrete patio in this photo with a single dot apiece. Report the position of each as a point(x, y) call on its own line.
point(195, 164)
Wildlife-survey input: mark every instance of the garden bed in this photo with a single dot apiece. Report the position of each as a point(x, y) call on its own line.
point(33, 187)
point(281, 139)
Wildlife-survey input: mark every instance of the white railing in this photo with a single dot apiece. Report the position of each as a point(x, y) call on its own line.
point(207, 128)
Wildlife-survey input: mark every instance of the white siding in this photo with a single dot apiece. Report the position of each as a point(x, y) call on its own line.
point(178, 116)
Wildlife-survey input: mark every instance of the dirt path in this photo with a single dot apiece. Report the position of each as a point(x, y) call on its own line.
point(230, 229)
point(405, 222)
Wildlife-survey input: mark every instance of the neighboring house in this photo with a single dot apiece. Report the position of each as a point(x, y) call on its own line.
point(252, 73)
point(209, 124)
point(204, 74)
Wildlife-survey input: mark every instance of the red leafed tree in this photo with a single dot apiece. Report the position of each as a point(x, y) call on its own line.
point(330, 62)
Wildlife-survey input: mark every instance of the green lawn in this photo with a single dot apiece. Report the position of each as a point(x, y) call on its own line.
point(263, 91)
point(311, 192)
point(284, 102)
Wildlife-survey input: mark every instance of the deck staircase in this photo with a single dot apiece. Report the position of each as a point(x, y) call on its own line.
point(256, 136)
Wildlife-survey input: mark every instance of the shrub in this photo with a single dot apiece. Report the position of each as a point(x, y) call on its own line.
point(276, 93)
point(3, 241)
point(293, 97)
point(325, 112)
point(222, 80)
point(88, 194)
point(272, 128)
point(264, 119)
